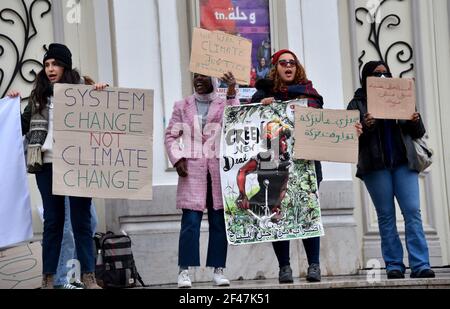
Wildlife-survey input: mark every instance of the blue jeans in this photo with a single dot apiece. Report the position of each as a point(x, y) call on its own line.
point(189, 243)
point(68, 244)
point(403, 184)
point(54, 217)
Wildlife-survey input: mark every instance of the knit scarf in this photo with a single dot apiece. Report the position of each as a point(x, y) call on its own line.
point(36, 138)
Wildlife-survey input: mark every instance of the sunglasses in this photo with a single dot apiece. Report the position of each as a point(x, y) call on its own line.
point(382, 74)
point(286, 63)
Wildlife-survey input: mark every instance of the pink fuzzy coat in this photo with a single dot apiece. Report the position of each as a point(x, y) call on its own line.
point(191, 193)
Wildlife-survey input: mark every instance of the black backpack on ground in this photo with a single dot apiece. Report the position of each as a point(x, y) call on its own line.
point(115, 266)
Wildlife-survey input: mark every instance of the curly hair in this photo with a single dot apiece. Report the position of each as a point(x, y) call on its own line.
point(300, 77)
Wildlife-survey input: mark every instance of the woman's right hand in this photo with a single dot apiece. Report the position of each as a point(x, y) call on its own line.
point(181, 167)
point(267, 101)
point(369, 121)
point(13, 94)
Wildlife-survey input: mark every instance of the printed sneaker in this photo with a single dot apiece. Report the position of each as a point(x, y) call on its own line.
point(77, 283)
point(184, 282)
point(67, 286)
point(219, 278)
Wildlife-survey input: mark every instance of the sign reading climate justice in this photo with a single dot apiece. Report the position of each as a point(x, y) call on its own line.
point(215, 53)
point(103, 142)
point(326, 135)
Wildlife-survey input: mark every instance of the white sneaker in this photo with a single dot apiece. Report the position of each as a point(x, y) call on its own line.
point(183, 280)
point(219, 278)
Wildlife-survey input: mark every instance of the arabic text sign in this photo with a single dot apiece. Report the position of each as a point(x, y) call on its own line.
point(215, 53)
point(326, 135)
point(103, 142)
point(391, 98)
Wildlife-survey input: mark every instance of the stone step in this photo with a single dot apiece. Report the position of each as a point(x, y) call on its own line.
point(442, 281)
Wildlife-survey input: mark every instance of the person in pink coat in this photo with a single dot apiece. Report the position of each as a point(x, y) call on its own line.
point(192, 142)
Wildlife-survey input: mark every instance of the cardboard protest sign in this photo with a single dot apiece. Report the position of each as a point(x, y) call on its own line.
point(391, 98)
point(215, 53)
point(15, 206)
point(326, 135)
point(103, 142)
point(21, 267)
point(268, 196)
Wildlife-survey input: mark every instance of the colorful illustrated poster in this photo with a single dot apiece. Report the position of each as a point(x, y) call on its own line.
point(246, 18)
point(267, 195)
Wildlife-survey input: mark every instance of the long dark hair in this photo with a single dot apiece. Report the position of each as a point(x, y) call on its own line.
point(44, 89)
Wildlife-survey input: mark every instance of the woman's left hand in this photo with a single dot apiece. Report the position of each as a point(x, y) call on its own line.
point(415, 117)
point(359, 129)
point(100, 86)
point(229, 79)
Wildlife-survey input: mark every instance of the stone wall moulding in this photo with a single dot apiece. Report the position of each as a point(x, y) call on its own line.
point(373, 16)
point(23, 67)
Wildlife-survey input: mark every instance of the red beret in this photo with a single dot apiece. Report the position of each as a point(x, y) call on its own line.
point(278, 54)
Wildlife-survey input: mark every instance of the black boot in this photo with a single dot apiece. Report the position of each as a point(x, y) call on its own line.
point(285, 275)
point(314, 273)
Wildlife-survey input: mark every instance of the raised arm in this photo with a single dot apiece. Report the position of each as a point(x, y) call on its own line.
point(251, 166)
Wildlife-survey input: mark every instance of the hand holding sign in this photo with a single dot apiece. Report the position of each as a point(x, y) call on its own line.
point(391, 98)
point(13, 94)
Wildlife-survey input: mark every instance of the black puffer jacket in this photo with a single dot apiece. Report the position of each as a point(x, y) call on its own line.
point(371, 145)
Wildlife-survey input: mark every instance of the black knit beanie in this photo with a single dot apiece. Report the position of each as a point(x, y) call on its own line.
point(59, 52)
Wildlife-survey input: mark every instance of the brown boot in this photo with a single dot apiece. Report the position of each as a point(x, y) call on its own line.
point(89, 281)
point(47, 282)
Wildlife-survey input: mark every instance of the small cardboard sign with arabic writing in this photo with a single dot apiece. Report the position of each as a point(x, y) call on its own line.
point(391, 98)
point(326, 135)
point(215, 53)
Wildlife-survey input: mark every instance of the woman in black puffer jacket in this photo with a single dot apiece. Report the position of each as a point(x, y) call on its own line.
point(388, 166)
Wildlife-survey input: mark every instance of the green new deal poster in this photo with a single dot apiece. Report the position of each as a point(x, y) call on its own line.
point(268, 196)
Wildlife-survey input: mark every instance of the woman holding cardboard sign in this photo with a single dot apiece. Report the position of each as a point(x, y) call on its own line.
point(196, 121)
point(388, 167)
point(288, 81)
point(37, 124)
